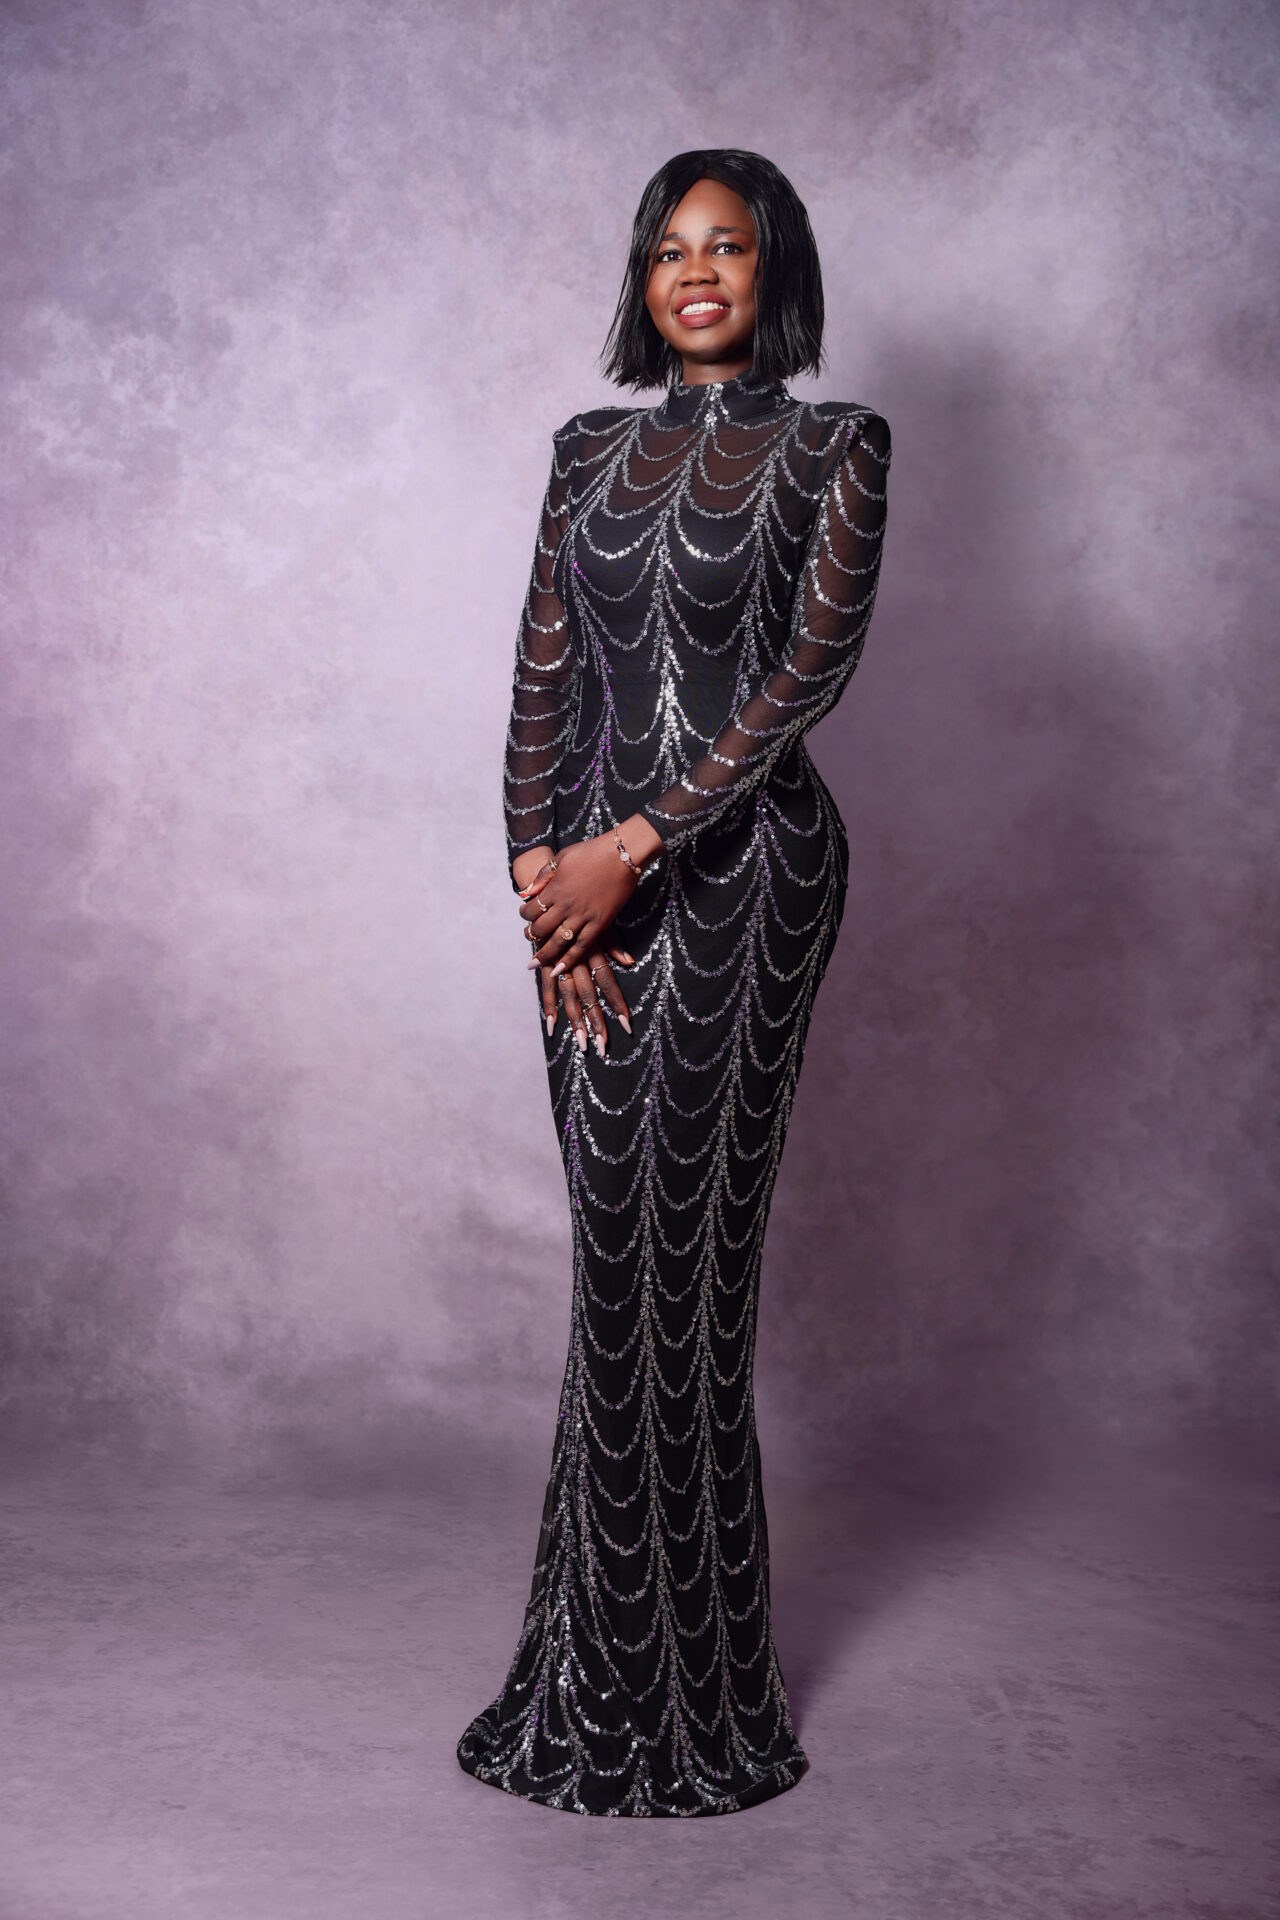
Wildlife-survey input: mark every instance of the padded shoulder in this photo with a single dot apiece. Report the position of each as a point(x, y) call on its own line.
point(595, 420)
point(836, 414)
point(834, 425)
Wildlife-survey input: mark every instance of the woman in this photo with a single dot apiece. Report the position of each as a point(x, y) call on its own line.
point(703, 581)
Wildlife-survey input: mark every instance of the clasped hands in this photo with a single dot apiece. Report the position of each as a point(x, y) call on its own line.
point(568, 904)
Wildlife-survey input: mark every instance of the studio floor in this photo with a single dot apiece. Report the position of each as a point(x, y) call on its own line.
point(1045, 1693)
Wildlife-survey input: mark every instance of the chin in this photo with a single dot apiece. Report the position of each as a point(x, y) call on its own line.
point(705, 349)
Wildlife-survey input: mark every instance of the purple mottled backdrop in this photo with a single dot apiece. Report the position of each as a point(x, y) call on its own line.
point(293, 297)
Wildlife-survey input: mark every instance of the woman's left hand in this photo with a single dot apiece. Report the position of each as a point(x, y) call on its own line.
point(580, 897)
point(584, 994)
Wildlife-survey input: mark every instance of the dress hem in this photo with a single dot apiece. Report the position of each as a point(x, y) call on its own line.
point(779, 1778)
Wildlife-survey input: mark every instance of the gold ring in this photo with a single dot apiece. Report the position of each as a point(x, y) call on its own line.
point(566, 932)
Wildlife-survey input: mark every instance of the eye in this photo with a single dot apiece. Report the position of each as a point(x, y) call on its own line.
point(668, 253)
point(731, 245)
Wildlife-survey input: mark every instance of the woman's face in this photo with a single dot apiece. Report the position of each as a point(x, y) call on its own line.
point(702, 283)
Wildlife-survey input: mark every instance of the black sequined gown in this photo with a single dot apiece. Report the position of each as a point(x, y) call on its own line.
point(703, 581)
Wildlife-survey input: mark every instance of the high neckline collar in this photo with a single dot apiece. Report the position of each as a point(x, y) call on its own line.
point(747, 396)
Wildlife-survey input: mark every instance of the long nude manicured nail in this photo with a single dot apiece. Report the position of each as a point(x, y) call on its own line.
point(582, 1040)
point(600, 1045)
point(551, 1023)
point(626, 1023)
point(557, 970)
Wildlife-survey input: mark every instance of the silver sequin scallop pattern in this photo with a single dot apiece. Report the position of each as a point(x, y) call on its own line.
point(702, 584)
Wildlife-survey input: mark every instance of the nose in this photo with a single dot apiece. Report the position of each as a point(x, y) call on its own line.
point(694, 275)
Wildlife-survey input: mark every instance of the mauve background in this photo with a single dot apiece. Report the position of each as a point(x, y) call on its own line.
point(293, 299)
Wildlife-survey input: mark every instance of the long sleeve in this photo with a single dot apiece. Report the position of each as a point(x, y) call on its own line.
point(546, 683)
point(835, 594)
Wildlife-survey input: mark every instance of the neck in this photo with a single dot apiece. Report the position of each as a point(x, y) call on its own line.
point(702, 373)
point(743, 398)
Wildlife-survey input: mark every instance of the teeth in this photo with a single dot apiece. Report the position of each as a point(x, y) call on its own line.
point(705, 306)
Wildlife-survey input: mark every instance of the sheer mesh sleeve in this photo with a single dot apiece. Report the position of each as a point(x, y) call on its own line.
point(835, 594)
point(546, 684)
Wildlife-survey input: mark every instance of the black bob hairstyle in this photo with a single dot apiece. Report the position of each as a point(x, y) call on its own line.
point(789, 309)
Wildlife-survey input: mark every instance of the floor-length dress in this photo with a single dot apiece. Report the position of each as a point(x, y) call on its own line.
point(702, 584)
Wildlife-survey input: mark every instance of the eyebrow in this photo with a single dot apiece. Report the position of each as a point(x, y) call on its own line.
point(671, 233)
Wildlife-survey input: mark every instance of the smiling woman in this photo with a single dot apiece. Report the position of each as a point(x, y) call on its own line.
point(702, 585)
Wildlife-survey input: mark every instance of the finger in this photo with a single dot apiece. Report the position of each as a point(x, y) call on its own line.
point(571, 957)
point(529, 934)
point(610, 992)
point(539, 880)
point(550, 1000)
point(620, 953)
point(559, 953)
point(585, 980)
point(573, 1007)
point(544, 916)
point(536, 907)
point(570, 953)
point(541, 934)
point(548, 950)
